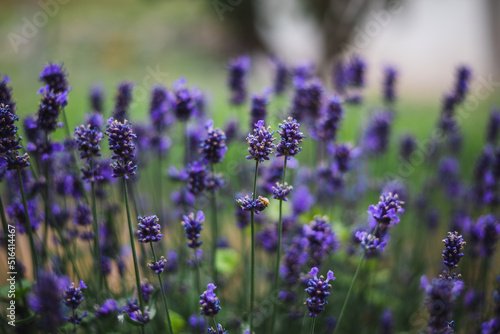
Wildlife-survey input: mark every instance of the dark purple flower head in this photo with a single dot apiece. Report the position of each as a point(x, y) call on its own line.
point(268, 238)
point(340, 77)
point(121, 142)
point(88, 140)
point(376, 136)
point(109, 307)
point(294, 258)
point(183, 101)
point(123, 99)
point(192, 227)
point(261, 142)
point(390, 77)
point(55, 76)
point(83, 215)
point(488, 229)
point(242, 217)
point(387, 210)
point(318, 290)
point(342, 155)
point(238, 71)
point(407, 146)
point(97, 99)
point(396, 187)
point(307, 100)
point(329, 123)
point(8, 131)
point(440, 293)
point(369, 241)
point(149, 229)
point(491, 327)
point(290, 139)
point(281, 75)
point(213, 147)
point(74, 296)
point(6, 93)
point(49, 109)
point(172, 261)
point(139, 316)
point(159, 108)
point(46, 301)
point(17, 215)
point(146, 290)
point(197, 323)
point(464, 75)
point(231, 130)
point(493, 128)
point(302, 200)
point(322, 240)
point(386, 322)
point(303, 72)
point(158, 266)
point(209, 302)
point(196, 177)
point(258, 110)
point(95, 120)
point(258, 205)
point(280, 191)
point(218, 330)
point(452, 254)
point(356, 72)
point(182, 198)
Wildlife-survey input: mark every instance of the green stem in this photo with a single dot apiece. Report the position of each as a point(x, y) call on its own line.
point(132, 245)
point(29, 228)
point(313, 323)
point(213, 201)
point(47, 203)
point(337, 326)
point(278, 255)
point(252, 254)
point(164, 297)
point(97, 246)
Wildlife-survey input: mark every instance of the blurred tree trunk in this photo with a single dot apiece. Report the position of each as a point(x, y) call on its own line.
point(493, 9)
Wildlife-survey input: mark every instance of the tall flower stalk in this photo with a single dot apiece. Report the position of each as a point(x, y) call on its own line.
point(120, 140)
point(150, 232)
point(385, 213)
point(192, 228)
point(288, 146)
point(213, 149)
point(261, 145)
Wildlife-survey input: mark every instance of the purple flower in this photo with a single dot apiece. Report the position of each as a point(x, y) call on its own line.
point(268, 238)
point(6, 93)
point(376, 137)
point(303, 72)
point(197, 323)
point(356, 72)
point(260, 142)
point(369, 241)
point(95, 120)
point(146, 290)
point(213, 147)
point(196, 177)
point(97, 99)
point(149, 229)
point(294, 258)
point(280, 191)
point(493, 125)
point(73, 297)
point(302, 200)
point(209, 302)
point(55, 76)
point(329, 123)
point(121, 142)
point(172, 261)
point(440, 293)
point(307, 100)
point(407, 146)
point(122, 101)
point(109, 307)
point(88, 140)
point(46, 301)
point(192, 228)
point(290, 140)
point(82, 215)
point(258, 110)
point(159, 107)
point(387, 210)
point(318, 291)
point(340, 77)
point(489, 231)
point(238, 71)
point(49, 109)
point(464, 75)
point(454, 244)
point(321, 238)
point(247, 204)
point(18, 216)
point(386, 322)
point(159, 266)
point(139, 316)
point(183, 101)
point(280, 76)
point(242, 217)
point(390, 77)
point(342, 155)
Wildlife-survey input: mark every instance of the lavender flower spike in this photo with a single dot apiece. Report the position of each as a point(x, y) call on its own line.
point(209, 302)
point(291, 138)
point(149, 229)
point(260, 142)
point(192, 228)
point(318, 291)
point(121, 142)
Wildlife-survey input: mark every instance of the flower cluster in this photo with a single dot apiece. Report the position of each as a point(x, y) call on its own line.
point(213, 147)
point(280, 191)
point(192, 228)
point(387, 210)
point(321, 238)
point(318, 291)
point(209, 302)
point(55, 77)
point(261, 142)
point(238, 71)
point(158, 266)
point(329, 123)
point(149, 229)
point(390, 76)
point(258, 109)
point(9, 145)
point(88, 140)
point(369, 241)
point(183, 101)
point(121, 142)
point(290, 140)
point(218, 330)
point(307, 100)
point(454, 244)
point(6, 93)
point(123, 99)
point(247, 204)
point(73, 297)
